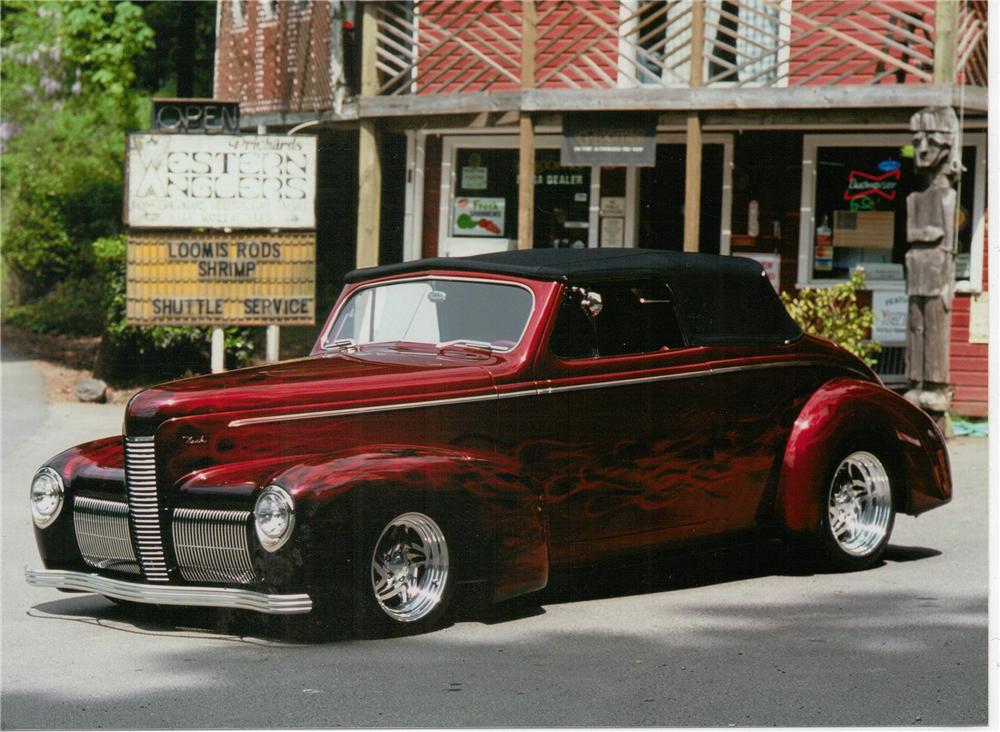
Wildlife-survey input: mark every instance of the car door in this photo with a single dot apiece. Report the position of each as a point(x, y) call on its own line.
point(620, 433)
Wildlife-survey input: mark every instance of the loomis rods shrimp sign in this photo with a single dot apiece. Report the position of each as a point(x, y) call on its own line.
point(221, 181)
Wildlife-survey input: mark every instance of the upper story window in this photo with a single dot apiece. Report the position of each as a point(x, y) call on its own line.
point(239, 10)
point(742, 41)
point(615, 320)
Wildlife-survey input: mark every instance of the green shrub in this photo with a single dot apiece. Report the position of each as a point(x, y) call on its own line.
point(834, 313)
point(70, 308)
point(144, 353)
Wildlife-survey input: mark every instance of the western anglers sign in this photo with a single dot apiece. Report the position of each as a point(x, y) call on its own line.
point(221, 181)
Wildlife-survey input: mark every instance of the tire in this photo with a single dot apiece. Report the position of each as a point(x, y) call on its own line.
point(404, 577)
point(857, 512)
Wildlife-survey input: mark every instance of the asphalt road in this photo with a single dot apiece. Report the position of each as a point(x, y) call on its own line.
point(737, 638)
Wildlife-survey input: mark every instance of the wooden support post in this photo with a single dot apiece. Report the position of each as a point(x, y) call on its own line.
point(692, 184)
point(692, 164)
point(526, 171)
point(369, 159)
point(945, 40)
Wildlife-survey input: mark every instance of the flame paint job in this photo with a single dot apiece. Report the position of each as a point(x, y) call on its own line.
point(547, 463)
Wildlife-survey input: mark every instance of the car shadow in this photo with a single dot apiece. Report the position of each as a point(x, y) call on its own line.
point(637, 576)
point(674, 572)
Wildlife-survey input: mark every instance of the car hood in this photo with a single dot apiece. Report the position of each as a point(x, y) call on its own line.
point(353, 379)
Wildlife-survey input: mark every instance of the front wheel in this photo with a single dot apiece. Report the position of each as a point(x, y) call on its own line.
point(409, 577)
point(857, 514)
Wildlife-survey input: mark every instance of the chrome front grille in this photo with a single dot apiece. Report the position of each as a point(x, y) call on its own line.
point(213, 546)
point(144, 507)
point(102, 534)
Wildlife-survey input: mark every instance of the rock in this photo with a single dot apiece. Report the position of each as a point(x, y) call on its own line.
point(91, 390)
point(936, 400)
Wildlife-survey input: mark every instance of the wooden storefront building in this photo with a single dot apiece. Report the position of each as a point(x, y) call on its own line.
point(780, 126)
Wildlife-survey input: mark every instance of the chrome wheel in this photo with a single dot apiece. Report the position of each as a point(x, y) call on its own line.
point(410, 567)
point(860, 504)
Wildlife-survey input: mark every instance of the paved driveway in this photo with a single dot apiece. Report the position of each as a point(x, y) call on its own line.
point(734, 638)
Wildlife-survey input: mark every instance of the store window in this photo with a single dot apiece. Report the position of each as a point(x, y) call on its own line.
point(562, 203)
point(485, 200)
point(856, 189)
point(480, 206)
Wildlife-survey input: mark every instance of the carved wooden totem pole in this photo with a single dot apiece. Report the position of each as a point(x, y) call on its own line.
point(930, 260)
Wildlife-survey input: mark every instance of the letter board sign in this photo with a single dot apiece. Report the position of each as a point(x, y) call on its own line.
point(193, 278)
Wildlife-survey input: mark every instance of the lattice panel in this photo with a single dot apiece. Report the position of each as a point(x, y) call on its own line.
point(819, 42)
point(972, 67)
point(454, 46)
point(605, 44)
point(442, 47)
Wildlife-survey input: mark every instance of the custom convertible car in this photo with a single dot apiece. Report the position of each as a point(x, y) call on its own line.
point(485, 421)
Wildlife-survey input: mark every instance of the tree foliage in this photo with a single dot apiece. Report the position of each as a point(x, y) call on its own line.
point(834, 313)
point(69, 96)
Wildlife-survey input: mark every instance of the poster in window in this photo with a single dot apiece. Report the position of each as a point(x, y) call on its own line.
point(481, 217)
point(474, 177)
point(612, 231)
point(865, 229)
point(890, 311)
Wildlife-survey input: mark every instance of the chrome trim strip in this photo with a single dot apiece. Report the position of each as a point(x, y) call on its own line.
point(624, 382)
point(212, 545)
point(363, 410)
point(540, 390)
point(786, 364)
point(171, 594)
point(416, 277)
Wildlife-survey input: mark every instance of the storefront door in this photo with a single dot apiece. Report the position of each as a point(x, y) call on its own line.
point(661, 200)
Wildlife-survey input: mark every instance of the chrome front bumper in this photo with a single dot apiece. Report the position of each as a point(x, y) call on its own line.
point(170, 594)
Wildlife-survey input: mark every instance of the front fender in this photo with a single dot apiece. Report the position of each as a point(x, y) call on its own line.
point(845, 412)
point(96, 467)
point(500, 512)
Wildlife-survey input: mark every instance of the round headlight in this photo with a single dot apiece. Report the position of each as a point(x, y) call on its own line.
point(46, 497)
point(274, 517)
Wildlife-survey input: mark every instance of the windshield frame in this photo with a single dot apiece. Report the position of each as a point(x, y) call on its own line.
point(327, 346)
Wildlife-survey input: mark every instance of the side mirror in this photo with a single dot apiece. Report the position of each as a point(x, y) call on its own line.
point(590, 302)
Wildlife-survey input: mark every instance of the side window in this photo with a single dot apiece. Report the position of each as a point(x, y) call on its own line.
point(631, 319)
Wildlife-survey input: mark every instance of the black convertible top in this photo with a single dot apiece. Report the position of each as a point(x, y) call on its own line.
point(720, 299)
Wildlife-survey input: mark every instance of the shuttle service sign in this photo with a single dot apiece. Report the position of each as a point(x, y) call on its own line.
point(194, 278)
point(221, 181)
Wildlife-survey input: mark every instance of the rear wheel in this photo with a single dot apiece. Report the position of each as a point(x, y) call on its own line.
point(857, 513)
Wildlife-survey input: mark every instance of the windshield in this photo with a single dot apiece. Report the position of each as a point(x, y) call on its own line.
point(436, 311)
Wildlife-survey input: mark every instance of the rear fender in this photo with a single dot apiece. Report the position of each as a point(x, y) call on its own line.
point(851, 412)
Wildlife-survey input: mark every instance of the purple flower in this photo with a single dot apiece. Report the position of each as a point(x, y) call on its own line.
point(76, 88)
point(8, 131)
point(49, 85)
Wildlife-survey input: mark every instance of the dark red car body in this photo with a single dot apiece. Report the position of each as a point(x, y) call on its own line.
point(546, 462)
